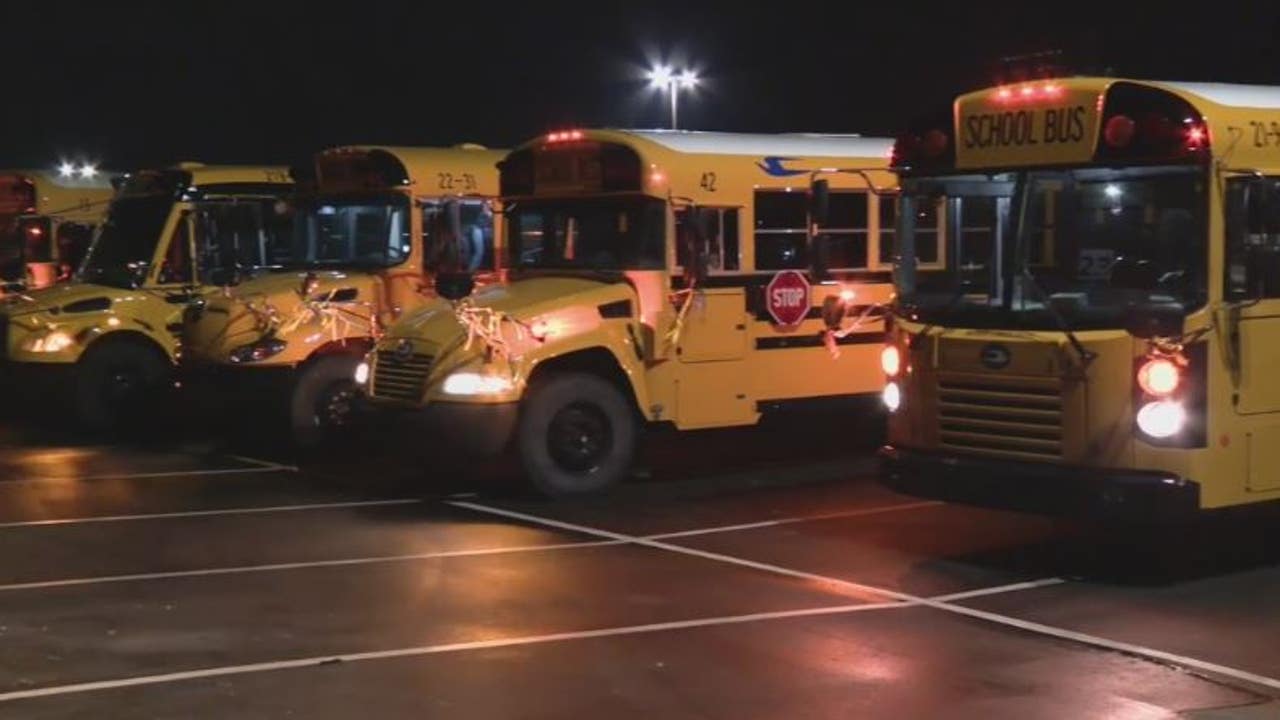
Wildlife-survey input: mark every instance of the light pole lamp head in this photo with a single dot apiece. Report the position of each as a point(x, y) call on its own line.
point(660, 77)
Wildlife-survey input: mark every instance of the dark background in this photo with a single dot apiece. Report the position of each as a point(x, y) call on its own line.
point(134, 83)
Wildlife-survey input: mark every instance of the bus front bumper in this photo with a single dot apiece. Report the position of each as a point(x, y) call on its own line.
point(30, 387)
point(473, 429)
point(215, 389)
point(1043, 488)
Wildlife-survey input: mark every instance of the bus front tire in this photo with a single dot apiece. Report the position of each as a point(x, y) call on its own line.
point(325, 401)
point(576, 435)
point(119, 385)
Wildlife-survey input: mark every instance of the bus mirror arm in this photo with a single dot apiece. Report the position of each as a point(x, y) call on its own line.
point(695, 241)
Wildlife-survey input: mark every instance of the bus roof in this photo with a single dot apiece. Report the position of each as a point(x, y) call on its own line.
point(100, 181)
point(202, 174)
point(702, 166)
point(1225, 94)
point(808, 144)
point(464, 169)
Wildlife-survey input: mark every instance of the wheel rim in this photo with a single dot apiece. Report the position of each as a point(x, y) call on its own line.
point(123, 385)
point(579, 438)
point(336, 406)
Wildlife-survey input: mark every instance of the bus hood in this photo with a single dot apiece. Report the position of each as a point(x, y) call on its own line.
point(522, 300)
point(532, 317)
point(71, 298)
point(337, 306)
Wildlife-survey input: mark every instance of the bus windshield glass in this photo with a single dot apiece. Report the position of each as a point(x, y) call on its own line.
point(126, 243)
point(364, 231)
point(1032, 249)
point(616, 233)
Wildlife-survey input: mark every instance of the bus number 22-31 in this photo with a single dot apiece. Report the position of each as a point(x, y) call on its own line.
point(461, 181)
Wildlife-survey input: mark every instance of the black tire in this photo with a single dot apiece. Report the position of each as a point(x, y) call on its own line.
point(576, 435)
point(119, 385)
point(326, 402)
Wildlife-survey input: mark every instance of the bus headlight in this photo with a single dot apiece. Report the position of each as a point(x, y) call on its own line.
point(362, 373)
point(474, 383)
point(260, 350)
point(1162, 419)
point(892, 396)
point(50, 342)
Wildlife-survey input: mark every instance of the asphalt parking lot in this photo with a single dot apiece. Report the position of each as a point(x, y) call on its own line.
point(743, 573)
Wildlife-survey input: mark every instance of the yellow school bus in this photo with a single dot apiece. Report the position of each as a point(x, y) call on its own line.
point(46, 221)
point(101, 348)
point(1098, 342)
point(654, 277)
point(367, 237)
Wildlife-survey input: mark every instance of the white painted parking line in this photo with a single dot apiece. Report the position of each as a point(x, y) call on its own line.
point(263, 463)
point(438, 649)
point(140, 476)
point(136, 577)
point(1000, 589)
point(860, 512)
point(207, 513)
point(275, 567)
point(937, 604)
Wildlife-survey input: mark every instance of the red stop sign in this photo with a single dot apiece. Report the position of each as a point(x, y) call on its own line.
point(787, 297)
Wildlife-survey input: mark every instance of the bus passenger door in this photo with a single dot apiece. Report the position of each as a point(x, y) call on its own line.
point(713, 388)
point(1253, 285)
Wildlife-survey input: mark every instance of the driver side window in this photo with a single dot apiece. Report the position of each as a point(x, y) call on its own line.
point(1253, 239)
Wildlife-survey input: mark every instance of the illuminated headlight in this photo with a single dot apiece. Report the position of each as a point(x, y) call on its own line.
point(1162, 419)
point(473, 383)
point(362, 373)
point(892, 396)
point(50, 342)
point(258, 351)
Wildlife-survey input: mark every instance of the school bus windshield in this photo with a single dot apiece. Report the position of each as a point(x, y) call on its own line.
point(127, 241)
point(623, 233)
point(363, 231)
point(1084, 245)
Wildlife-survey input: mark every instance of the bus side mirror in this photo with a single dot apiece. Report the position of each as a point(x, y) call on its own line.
point(693, 238)
point(819, 201)
point(454, 285)
point(819, 248)
point(453, 280)
point(1154, 320)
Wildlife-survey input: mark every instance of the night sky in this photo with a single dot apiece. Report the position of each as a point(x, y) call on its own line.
point(132, 83)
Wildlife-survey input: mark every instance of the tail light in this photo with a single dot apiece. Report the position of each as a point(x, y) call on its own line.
point(1148, 124)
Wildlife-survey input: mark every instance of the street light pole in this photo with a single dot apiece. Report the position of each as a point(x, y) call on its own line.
point(671, 88)
point(663, 78)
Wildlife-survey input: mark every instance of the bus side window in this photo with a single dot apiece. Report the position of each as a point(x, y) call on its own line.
point(845, 231)
point(1253, 239)
point(781, 230)
point(722, 238)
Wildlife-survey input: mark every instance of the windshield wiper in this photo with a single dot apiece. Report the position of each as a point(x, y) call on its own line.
point(1086, 357)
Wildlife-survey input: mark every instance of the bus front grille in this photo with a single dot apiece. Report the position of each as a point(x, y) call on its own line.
point(400, 378)
point(1005, 418)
